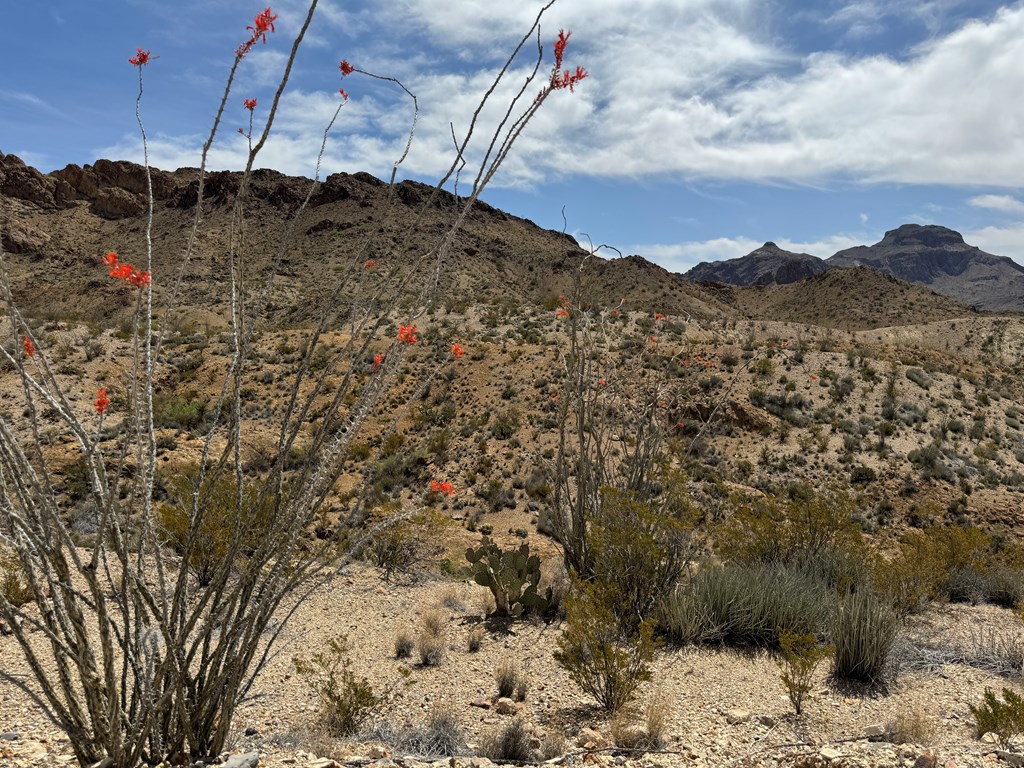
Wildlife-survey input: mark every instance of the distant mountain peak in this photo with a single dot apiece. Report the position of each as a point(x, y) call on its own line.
point(928, 235)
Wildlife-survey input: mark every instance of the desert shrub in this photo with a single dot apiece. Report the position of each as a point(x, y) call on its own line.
point(801, 655)
point(602, 657)
point(640, 550)
point(346, 701)
point(403, 643)
point(506, 424)
point(814, 531)
point(863, 631)
point(510, 744)
point(430, 645)
point(911, 726)
point(919, 377)
point(1004, 718)
point(475, 639)
point(746, 605)
point(439, 736)
point(405, 544)
point(509, 677)
point(14, 585)
point(206, 538)
point(179, 411)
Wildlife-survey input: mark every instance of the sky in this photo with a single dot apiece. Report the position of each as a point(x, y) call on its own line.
point(704, 129)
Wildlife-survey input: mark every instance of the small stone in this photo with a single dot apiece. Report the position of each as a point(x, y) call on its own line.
point(829, 753)
point(926, 760)
point(377, 752)
point(252, 730)
point(875, 731)
point(481, 703)
point(325, 762)
point(10, 736)
point(247, 760)
point(590, 738)
point(990, 738)
point(1010, 758)
point(505, 706)
point(737, 716)
point(767, 721)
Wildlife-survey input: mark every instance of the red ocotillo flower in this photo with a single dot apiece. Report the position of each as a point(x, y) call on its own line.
point(102, 401)
point(407, 333)
point(458, 351)
point(30, 348)
point(377, 360)
point(442, 487)
point(346, 68)
point(250, 104)
point(141, 58)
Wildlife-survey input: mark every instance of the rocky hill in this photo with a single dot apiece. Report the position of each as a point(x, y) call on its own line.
point(848, 299)
point(67, 219)
point(767, 265)
point(939, 258)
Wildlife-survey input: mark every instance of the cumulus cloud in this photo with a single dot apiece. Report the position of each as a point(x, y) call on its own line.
point(1005, 203)
point(1001, 241)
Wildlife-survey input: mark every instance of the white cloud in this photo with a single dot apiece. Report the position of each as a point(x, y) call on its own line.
point(1006, 203)
point(1001, 241)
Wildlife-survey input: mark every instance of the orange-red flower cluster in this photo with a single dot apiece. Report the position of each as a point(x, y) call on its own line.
point(262, 23)
point(568, 79)
point(30, 348)
point(442, 487)
point(407, 333)
point(141, 58)
point(250, 104)
point(457, 351)
point(346, 68)
point(377, 360)
point(560, 43)
point(344, 95)
point(561, 312)
point(102, 401)
point(658, 317)
point(370, 264)
point(125, 271)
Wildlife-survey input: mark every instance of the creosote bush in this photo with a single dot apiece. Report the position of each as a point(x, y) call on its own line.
point(604, 658)
point(346, 701)
point(801, 655)
point(1004, 718)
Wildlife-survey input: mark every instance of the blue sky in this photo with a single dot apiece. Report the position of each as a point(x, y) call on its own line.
point(706, 127)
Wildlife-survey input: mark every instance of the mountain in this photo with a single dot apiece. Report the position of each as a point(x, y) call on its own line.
point(56, 226)
point(939, 258)
point(767, 265)
point(855, 299)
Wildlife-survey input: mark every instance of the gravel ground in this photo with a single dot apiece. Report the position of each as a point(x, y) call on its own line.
point(724, 707)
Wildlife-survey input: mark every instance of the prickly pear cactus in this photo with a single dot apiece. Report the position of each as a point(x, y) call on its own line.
point(512, 575)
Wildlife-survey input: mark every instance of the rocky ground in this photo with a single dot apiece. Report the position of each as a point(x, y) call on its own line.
point(724, 708)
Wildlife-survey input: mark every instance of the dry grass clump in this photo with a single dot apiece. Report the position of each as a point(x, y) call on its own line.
point(475, 638)
point(911, 726)
point(431, 642)
point(511, 680)
point(403, 643)
point(510, 744)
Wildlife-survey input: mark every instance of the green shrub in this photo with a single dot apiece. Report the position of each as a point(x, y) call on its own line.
point(801, 655)
point(640, 549)
point(604, 659)
point(346, 701)
point(863, 631)
point(14, 586)
point(206, 538)
point(746, 605)
point(811, 530)
point(179, 411)
point(1004, 718)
